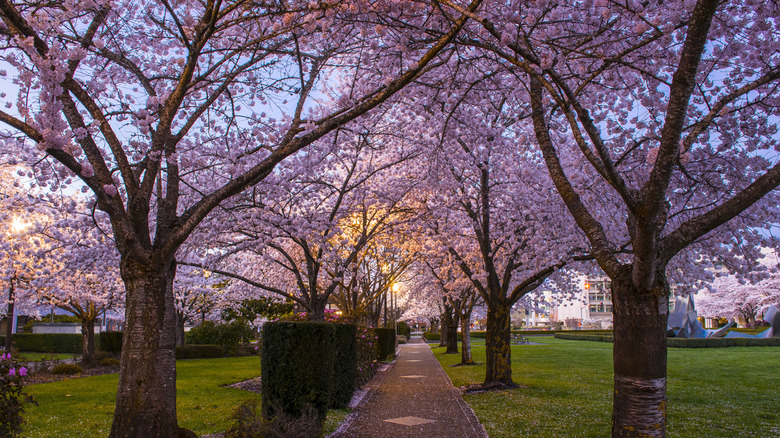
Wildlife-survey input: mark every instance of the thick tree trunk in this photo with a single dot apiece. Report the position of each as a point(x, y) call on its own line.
point(146, 394)
point(446, 319)
point(639, 357)
point(452, 334)
point(498, 350)
point(88, 334)
point(465, 343)
point(317, 312)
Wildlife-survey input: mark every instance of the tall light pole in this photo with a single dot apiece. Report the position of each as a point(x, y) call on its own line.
point(395, 289)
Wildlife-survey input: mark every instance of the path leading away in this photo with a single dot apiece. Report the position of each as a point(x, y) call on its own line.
point(414, 398)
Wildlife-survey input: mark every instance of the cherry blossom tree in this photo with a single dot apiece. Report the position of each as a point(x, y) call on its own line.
point(668, 112)
point(491, 205)
point(164, 109)
point(18, 246)
point(322, 217)
point(731, 296)
point(83, 273)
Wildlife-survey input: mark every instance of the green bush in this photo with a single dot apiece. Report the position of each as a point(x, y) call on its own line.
point(227, 335)
point(48, 342)
point(249, 423)
point(431, 336)
point(110, 341)
point(12, 396)
point(67, 368)
point(403, 329)
point(199, 351)
point(386, 342)
point(344, 365)
point(109, 362)
point(297, 371)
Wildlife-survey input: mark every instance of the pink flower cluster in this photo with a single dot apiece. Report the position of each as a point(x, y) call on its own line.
point(22, 371)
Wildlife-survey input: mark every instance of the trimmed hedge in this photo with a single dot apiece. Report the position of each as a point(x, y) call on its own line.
point(386, 342)
point(431, 336)
point(297, 371)
point(227, 335)
point(344, 365)
point(49, 342)
point(110, 341)
point(199, 351)
point(403, 329)
point(684, 342)
point(722, 342)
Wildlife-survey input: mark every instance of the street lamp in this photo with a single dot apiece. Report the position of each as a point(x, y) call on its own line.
point(395, 289)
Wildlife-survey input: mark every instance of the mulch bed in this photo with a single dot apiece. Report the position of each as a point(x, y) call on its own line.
point(251, 385)
point(46, 377)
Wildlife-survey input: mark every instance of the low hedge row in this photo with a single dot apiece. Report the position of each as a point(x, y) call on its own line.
point(684, 342)
point(307, 365)
point(70, 343)
point(110, 341)
point(199, 351)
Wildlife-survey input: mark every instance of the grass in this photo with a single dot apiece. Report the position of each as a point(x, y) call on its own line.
point(714, 392)
point(84, 407)
point(36, 357)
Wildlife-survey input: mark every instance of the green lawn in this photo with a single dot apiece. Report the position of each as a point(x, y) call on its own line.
point(35, 357)
point(84, 407)
point(717, 392)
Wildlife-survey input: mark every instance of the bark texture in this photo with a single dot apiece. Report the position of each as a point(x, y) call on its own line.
point(465, 343)
point(639, 356)
point(88, 333)
point(146, 394)
point(498, 350)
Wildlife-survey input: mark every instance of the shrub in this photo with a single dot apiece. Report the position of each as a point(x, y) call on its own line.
point(431, 336)
point(49, 342)
point(344, 365)
point(367, 355)
point(109, 362)
point(227, 335)
point(12, 396)
point(297, 368)
point(386, 342)
point(67, 368)
point(199, 351)
point(403, 329)
point(110, 341)
point(249, 423)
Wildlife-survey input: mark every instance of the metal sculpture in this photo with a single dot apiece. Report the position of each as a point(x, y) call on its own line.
point(683, 323)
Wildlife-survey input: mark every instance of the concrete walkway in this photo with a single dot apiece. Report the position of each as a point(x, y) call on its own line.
point(414, 398)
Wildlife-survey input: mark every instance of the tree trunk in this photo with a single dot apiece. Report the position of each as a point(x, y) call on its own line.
point(639, 357)
point(452, 334)
point(498, 350)
point(317, 312)
point(88, 334)
point(465, 343)
point(146, 394)
point(180, 320)
point(446, 319)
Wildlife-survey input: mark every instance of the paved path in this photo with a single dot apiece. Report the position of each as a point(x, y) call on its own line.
point(414, 398)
